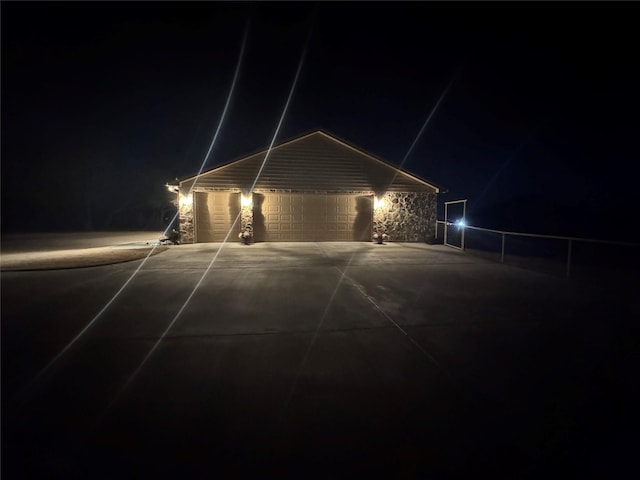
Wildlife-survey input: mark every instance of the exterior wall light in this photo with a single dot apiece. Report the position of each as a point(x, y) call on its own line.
point(246, 201)
point(186, 200)
point(379, 203)
point(172, 188)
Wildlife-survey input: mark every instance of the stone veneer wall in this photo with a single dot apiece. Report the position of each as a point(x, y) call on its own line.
point(246, 217)
point(187, 234)
point(407, 217)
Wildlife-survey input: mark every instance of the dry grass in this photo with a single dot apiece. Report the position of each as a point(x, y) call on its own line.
point(77, 258)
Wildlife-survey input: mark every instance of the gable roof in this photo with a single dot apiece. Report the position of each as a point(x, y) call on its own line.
point(315, 162)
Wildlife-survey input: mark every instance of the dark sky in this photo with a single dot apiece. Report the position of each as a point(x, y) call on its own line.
point(104, 102)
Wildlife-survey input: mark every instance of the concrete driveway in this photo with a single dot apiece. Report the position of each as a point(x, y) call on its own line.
point(306, 360)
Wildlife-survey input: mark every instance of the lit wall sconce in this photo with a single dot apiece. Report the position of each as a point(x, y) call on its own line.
point(186, 200)
point(246, 200)
point(379, 203)
point(172, 188)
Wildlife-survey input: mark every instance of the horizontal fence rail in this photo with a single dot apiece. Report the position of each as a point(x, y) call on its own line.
point(551, 248)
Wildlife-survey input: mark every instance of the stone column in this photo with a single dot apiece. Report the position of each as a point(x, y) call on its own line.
point(246, 217)
point(406, 216)
point(246, 213)
point(185, 208)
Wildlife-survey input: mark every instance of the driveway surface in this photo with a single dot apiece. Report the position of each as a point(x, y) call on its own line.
point(317, 360)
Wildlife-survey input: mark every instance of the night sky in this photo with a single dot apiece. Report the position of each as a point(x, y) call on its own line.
point(102, 103)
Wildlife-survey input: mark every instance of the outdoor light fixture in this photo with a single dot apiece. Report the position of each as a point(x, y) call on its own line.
point(379, 202)
point(246, 201)
point(186, 200)
point(172, 188)
point(461, 223)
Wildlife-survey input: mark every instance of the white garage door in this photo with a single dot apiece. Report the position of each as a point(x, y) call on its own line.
point(215, 213)
point(287, 217)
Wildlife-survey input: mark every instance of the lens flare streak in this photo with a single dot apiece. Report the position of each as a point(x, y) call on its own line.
point(284, 112)
point(430, 357)
point(424, 126)
point(133, 376)
point(46, 368)
point(219, 127)
point(128, 281)
point(226, 238)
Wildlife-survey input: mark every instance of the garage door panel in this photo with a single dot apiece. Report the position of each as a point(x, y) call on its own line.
point(313, 217)
point(215, 213)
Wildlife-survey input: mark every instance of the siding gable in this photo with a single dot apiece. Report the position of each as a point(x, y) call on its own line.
point(316, 162)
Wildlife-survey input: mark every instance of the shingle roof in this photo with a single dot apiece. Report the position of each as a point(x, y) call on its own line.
point(316, 162)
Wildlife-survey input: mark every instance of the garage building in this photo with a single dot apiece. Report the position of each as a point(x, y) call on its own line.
point(313, 188)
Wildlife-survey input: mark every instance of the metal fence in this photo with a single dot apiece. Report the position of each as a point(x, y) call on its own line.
point(550, 253)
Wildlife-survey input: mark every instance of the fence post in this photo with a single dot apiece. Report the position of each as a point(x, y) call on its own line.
point(569, 259)
point(502, 254)
point(444, 233)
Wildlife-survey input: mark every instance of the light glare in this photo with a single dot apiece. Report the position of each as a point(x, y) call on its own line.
point(379, 202)
point(246, 201)
point(186, 200)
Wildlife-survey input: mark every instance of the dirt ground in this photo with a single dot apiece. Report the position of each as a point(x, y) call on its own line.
point(75, 250)
point(80, 258)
